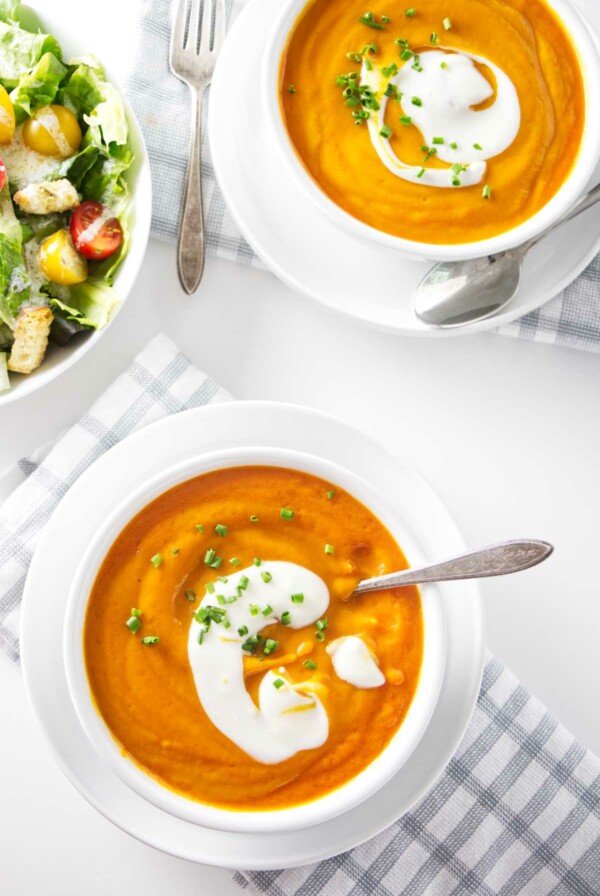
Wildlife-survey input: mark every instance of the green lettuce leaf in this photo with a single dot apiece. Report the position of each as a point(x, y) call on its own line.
point(84, 89)
point(9, 224)
point(38, 87)
point(15, 285)
point(20, 52)
point(9, 10)
point(90, 304)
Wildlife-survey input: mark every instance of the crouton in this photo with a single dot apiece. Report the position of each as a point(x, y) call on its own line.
point(49, 196)
point(31, 339)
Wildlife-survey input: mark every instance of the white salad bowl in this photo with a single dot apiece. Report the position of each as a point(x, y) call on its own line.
point(330, 805)
point(589, 59)
point(60, 358)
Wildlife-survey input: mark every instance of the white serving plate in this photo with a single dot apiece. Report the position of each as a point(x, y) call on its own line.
point(124, 469)
point(60, 358)
point(306, 249)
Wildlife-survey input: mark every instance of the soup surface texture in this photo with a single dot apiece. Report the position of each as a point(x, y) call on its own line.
point(441, 123)
point(278, 526)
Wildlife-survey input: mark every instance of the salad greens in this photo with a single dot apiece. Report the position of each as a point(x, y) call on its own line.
point(35, 76)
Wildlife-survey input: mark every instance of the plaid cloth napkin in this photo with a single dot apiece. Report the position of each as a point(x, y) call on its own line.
point(517, 811)
point(161, 103)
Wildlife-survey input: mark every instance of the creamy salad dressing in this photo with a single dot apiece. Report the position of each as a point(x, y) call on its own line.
point(25, 166)
point(447, 88)
point(288, 719)
point(353, 662)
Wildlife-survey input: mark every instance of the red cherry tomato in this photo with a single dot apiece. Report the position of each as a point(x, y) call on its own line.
point(95, 230)
point(2, 174)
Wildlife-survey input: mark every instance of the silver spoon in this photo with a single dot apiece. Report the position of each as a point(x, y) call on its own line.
point(455, 293)
point(493, 560)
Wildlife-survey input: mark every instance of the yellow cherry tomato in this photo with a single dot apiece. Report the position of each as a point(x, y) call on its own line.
point(60, 261)
point(53, 131)
point(7, 118)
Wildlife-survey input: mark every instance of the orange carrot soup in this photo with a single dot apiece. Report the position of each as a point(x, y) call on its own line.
point(439, 123)
point(224, 649)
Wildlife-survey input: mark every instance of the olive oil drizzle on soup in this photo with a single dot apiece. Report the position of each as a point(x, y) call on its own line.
point(160, 567)
point(532, 120)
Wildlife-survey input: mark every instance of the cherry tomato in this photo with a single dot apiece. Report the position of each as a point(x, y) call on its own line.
point(53, 131)
point(2, 174)
point(7, 117)
point(60, 261)
point(95, 230)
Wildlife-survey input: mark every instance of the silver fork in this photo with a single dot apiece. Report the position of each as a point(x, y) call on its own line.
point(198, 34)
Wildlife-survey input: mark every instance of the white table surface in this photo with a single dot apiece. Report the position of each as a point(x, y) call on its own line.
point(506, 430)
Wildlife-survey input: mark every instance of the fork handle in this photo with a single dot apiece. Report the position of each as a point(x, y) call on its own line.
point(190, 247)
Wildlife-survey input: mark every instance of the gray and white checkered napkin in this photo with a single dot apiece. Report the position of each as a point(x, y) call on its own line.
point(517, 811)
point(161, 103)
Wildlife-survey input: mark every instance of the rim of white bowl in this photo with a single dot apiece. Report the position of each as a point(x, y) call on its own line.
point(128, 271)
point(587, 49)
point(367, 782)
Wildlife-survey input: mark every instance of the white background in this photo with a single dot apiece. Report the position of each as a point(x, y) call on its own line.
point(507, 431)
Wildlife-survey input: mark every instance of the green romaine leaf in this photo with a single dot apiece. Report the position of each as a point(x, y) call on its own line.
point(6, 337)
point(77, 167)
point(38, 87)
point(4, 381)
point(15, 285)
point(84, 89)
point(9, 10)
point(21, 50)
point(9, 224)
point(107, 120)
point(90, 304)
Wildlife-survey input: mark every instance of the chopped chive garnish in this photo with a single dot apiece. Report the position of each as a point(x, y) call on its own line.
point(421, 172)
point(386, 20)
point(210, 587)
point(150, 639)
point(244, 582)
point(221, 599)
point(434, 38)
point(190, 595)
point(266, 576)
point(278, 683)
point(254, 610)
point(201, 634)
point(291, 89)
point(477, 146)
point(253, 519)
point(368, 64)
point(156, 560)
point(136, 612)
point(250, 644)
point(257, 561)
point(369, 19)
point(222, 579)
point(297, 598)
point(329, 549)
point(438, 141)
point(409, 13)
point(406, 120)
point(330, 494)
point(454, 146)
point(444, 65)
point(456, 182)
point(232, 599)
point(175, 551)
point(406, 54)
point(286, 618)
point(226, 623)
point(270, 646)
point(320, 636)
point(416, 101)
point(286, 514)
point(242, 630)
point(487, 192)
point(199, 527)
point(321, 624)
point(221, 530)
point(209, 556)
point(389, 71)
point(385, 132)
point(133, 624)
point(447, 24)
point(235, 561)
point(310, 664)
point(267, 610)
point(216, 563)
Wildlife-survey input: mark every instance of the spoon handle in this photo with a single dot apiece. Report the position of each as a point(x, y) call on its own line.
point(493, 560)
point(582, 205)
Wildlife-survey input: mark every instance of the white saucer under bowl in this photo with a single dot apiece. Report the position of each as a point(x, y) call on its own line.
point(306, 250)
point(123, 470)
